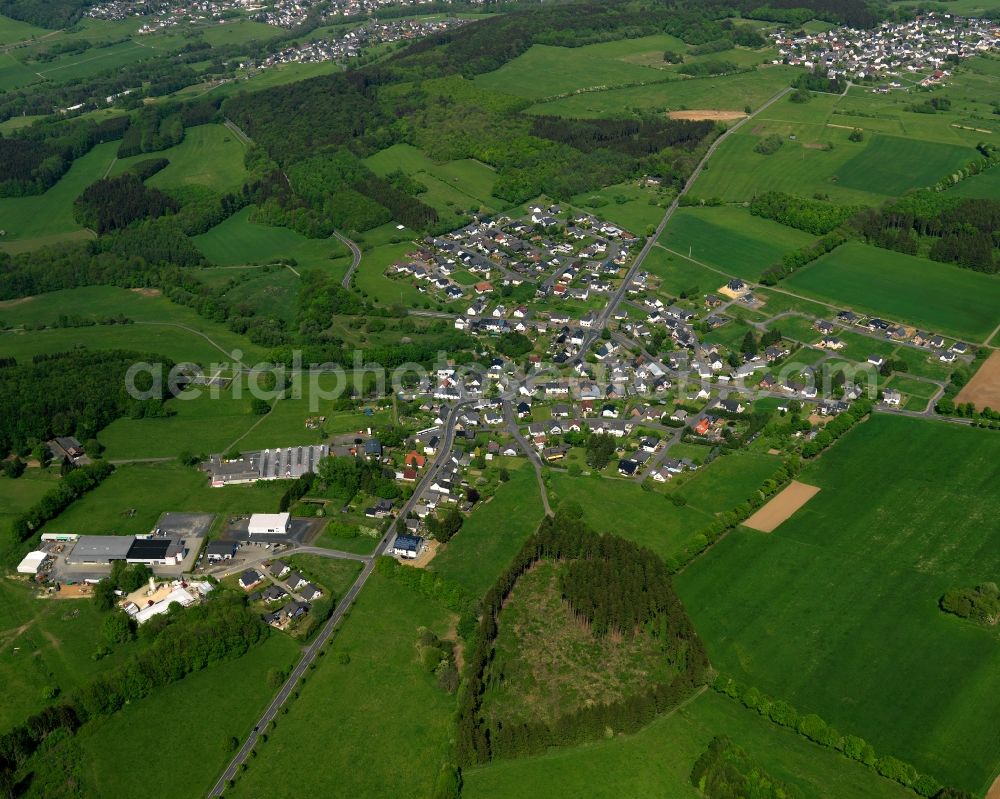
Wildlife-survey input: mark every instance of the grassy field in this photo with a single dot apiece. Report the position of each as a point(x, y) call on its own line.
point(47, 643)
point(649, 518)
point(16, 496)
point(210, 155)
point(731, 239)
point(352, 717)
point(985, 185)
point(857, 573)
point(49, 215)
point(152, 489)
point(231, 694)
point(892, 164)
point(492, 535)
point(545, 71)
point(161, 327)
point(93, 61)
point(942, 297)
point(656, 762)
point(336, 576)
point(464, 184)
point(677, 274)
point(724, 93)
point(13, 30)
point(239, 241)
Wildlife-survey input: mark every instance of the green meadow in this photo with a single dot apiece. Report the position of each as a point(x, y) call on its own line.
point(720, 93)
point(238, 241)
point(47, 643)
point(493, 534)
point(464, 184)
point(153, 489)
point(368, 696)
point(650, 518)
point(93, 61)
point(943, 297)
point(907, 509)
point(209, 155)
point(232, 694)
point(731, 239)
point(545, 71)
point(677, 273)
point(656, 762)
point(46, 217)
point(13, 30)
point(161, 327)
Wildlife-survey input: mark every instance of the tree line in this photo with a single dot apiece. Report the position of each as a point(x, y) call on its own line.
point(220, 629)
point(565, 537)
point(817, 730)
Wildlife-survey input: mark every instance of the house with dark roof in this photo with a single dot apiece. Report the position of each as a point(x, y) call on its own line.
point(250, 578)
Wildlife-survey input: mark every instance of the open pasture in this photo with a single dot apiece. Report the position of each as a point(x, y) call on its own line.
point(233, 694)
point(722, 93)
point(466, 183)
point(238, 241)
point(545, 71)
point(13, 30)
point(493, 534)
point(161, 327)
point(51, 214)
point(93, 61)
point(907, 510)
point(892, 165)
point(209, 155)
point(47, 643)
point(368, 694)
point(931, 295)
point(677, 273)
point(657, 761)
point(731, 239)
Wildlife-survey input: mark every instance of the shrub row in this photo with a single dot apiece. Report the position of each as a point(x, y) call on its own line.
point(817, 730)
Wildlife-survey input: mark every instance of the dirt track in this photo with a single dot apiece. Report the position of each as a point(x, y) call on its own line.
point(984, 389)
point(707, 113)
point(994, 791)
point(781, 507)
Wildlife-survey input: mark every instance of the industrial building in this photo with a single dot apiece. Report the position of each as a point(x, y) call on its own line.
point(269, 524)
point(101, 550)
point(269, 464)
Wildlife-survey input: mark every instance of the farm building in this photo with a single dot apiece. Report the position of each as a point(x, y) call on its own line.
point(269, 524)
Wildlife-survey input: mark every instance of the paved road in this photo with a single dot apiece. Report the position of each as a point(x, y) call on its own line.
point(616, 298)
point(311, 652)
point(355, 262)
point(529, 450)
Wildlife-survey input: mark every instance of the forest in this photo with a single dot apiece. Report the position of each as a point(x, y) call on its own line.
point(34, 158)
point(49, 14)
point(68, 394)
point(565, 537)
point(813, 216)
point(114, 203)
point(951, 229)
